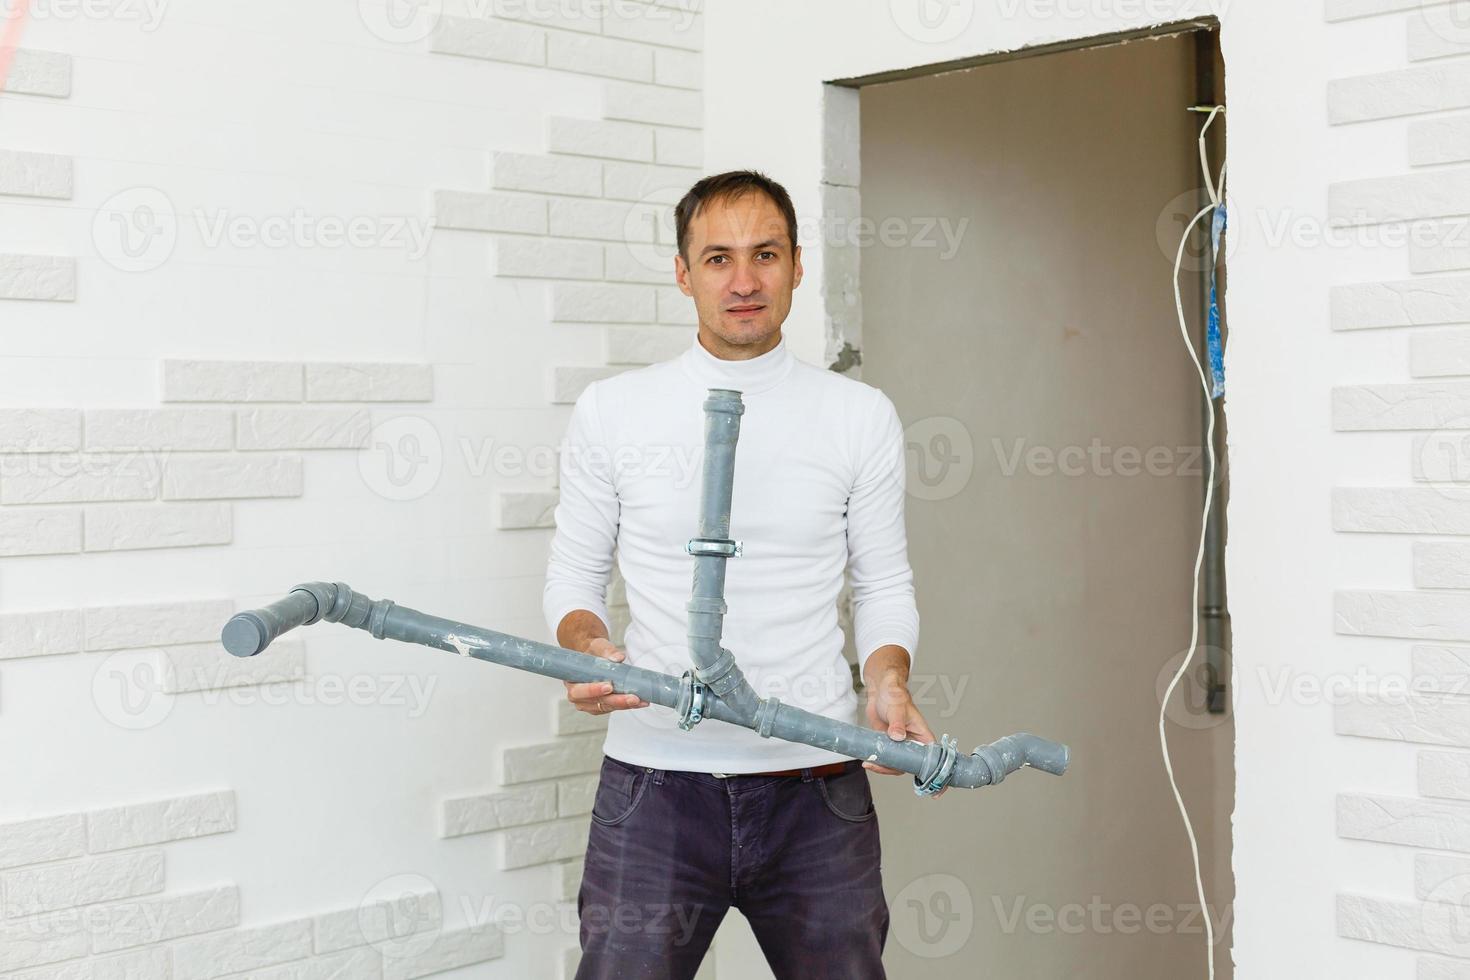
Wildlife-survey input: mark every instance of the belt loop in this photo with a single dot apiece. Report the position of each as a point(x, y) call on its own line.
point(806, 774)
point(658, 775)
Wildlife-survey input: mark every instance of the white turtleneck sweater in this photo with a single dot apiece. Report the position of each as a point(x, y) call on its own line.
point(819, 487)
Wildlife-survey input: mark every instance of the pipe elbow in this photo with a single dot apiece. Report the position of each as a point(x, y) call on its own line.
point(1041, 753)
point(989, 764)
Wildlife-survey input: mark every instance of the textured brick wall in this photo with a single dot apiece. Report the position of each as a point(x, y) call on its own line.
point(185, 432)
point(1422, 493)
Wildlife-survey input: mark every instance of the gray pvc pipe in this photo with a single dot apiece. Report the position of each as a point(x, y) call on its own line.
point(713, 664)
point(730, 697)
point(248, 633)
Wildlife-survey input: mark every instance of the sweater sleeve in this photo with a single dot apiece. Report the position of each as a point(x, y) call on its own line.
point(884, 610)
point(581, 558)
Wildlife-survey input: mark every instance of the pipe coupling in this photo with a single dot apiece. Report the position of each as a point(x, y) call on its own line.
point(692, 697)
point(947, 751)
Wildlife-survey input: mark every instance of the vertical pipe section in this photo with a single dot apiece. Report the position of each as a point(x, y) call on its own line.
point(1213, 612)
point(715, 666)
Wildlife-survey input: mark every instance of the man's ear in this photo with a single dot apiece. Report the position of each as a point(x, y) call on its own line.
point(681, 275)
point(796, 257)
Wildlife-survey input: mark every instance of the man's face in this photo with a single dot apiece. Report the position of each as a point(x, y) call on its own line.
point(741, 272)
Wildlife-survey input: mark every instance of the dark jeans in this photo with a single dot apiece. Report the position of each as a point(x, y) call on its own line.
point(670, 852)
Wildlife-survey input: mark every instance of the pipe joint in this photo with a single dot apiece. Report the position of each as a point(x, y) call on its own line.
point(765, 716)
point(693, 696)
point(714, 548)
point(715, 674)
point(939, 762)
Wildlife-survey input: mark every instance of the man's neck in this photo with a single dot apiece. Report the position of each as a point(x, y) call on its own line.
point(726, 351)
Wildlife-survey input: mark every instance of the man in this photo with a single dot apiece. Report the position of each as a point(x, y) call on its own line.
point(687, 824)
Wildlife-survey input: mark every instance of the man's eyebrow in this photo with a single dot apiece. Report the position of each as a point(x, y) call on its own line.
point(768, 243)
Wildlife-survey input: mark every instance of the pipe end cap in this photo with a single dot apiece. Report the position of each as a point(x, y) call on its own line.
point(243, 636)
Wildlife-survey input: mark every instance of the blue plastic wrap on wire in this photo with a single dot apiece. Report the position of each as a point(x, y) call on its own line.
point(1212, 333)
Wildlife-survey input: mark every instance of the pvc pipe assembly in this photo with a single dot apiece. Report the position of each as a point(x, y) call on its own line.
point(714, 688)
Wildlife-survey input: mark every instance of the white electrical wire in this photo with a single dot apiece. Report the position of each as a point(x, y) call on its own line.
point(1215, 189)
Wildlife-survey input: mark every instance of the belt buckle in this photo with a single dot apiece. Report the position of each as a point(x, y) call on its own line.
point(720, 775)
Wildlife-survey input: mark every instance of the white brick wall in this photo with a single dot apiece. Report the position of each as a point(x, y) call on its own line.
point(1399, 93)
point(1403, 820)
point(403, 914)
point(603, 304)
point(206, 428)
point(44, 531)
point(543, 843)
point(178, 429)
point(495, 811)
point(564, 757)
point(40, 430)
point(243, 950)
point(1403, 303)
point(78, 886)
point(40, 73)
point(1439, 140)
point(369, 382)
point(140, 526)
point(652, 104)
point(1430, 719)
point(68, 884)
point(121, 627)
point(213, 477)
point(546, 174)
point(35, 174)
point(1445, 775)
point(43, 277)
point(163, 820)
point(450, 949)
point(525, 509)
point(490, 212)
point(599, 138)
point(493, 40)
point(1436, 712)
point(302, 428)
point(600, 56)
point(232, 381)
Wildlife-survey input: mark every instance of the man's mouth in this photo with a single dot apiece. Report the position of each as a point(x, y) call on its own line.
point(745, 310)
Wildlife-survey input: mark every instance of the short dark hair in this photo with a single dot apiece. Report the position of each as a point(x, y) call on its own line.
point(729, 186)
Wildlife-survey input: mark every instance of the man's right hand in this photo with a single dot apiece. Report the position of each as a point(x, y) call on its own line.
point(596, 697)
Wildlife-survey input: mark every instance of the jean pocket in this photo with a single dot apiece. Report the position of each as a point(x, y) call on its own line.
point(848, 795)
point(620, 788)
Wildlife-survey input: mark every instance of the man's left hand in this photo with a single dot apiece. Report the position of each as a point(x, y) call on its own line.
point(891, 709)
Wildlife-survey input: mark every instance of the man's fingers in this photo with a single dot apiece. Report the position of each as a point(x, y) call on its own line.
point(920, 728)
point(589, 691)
point(611, 702)
point(606, 650)
point(596, 697)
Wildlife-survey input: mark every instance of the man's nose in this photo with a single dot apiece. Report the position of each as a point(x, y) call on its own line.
point(744, 281)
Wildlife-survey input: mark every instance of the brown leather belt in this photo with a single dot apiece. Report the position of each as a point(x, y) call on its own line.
point(829, 769)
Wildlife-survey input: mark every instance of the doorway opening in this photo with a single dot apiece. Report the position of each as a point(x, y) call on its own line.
point(1003, 271)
